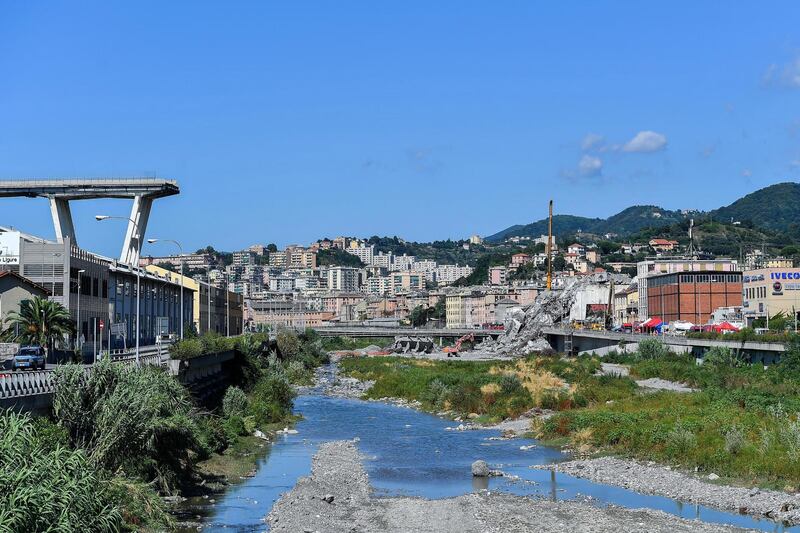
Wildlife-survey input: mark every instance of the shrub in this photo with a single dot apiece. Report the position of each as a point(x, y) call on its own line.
point(288, 344)
point(297, 372)
point(652, 349)
point(510, 384)
point(271, 399)
point(138, 419)
point(790, 437)
point(680, 441)
point(234, 403)
point(734, 440)
point(436, 393)
point(234, 428)
point(722, 356)
point(465, 398)
point(50, 488)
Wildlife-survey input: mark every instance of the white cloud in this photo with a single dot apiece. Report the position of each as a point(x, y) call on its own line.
point(592, 140)
point(590, 165)
point(747, 173)
point(786, 75)
point(645, 142)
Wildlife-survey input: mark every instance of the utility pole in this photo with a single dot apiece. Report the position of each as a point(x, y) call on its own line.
point(550, 248)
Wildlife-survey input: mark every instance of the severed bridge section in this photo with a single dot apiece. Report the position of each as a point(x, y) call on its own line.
point(61, 191)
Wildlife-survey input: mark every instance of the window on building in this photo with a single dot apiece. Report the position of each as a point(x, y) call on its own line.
point(105, 288)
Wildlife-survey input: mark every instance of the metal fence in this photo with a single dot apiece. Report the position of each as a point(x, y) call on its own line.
point(30, 383)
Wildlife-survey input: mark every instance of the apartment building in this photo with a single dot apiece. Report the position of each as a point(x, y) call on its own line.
point(498, 275)
point(447, 274)
point(347, 279)
point(364, 252)
point(244, 258)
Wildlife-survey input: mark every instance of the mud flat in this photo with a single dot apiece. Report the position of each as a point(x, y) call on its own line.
point(338, 497)
point(663, 481)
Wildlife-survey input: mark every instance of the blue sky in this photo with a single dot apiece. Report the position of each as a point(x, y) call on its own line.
point(286, 122)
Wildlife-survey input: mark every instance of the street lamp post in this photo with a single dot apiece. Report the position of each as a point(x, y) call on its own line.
point(180, 248)
point(80, 328)
point(138, 274)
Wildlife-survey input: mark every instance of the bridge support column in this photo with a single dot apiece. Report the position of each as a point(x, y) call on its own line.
point(140, 213)
point(62, 220)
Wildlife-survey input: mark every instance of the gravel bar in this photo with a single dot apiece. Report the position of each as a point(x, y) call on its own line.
point(663, 481)
point(338, 497)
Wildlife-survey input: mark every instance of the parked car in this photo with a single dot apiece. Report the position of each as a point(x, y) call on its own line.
point(30, 357)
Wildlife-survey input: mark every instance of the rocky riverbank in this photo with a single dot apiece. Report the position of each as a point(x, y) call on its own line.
point(338, 497)
point(663, 481)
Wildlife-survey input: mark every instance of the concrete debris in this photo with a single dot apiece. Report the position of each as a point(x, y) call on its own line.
point(523, 325)
point(413, 344)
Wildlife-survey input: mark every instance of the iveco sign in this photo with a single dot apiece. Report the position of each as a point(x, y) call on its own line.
point(784, 275)
point(9, 248)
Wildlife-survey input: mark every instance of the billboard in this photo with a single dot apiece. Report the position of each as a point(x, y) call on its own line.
point(9, 248)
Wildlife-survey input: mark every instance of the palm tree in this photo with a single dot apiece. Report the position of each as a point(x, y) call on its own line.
point(39, 322)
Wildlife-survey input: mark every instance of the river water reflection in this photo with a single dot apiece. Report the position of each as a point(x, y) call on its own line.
point(411, 453)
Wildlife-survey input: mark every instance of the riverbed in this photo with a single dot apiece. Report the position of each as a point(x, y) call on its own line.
point(409, 453)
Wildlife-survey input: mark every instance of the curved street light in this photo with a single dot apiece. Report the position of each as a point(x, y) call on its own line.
point(180, 248)
point(138, 274)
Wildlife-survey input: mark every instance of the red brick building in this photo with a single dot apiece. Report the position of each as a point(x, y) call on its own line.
point(692, 296)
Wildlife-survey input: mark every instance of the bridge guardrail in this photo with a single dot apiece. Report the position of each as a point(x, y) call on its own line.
point(30, 383)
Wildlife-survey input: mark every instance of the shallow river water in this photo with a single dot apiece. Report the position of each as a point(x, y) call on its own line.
point(411, 453)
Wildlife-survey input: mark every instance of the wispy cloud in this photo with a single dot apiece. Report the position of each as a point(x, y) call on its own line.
point(592, 141)
point(590, 166)
point(746, 173)
point(646, 142)
point(785, 75)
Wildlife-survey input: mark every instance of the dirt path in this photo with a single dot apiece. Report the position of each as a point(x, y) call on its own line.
point(337, 497)
point(612, 369)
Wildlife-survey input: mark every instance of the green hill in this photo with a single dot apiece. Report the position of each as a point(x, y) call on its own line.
point(625, 222)
point(775, 207)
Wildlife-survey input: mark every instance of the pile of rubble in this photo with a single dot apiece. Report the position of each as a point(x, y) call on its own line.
point(523, 325)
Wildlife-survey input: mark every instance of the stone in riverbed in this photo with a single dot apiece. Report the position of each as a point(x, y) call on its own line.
point(480, 469)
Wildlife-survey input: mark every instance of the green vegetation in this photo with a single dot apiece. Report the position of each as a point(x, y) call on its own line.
point(333, 344)
point(41, 479)
point(208, 343)
point(39, 322)
point(742, 424)
point(495, 389)
point(120, 436)
point(776, 207)
point(337, 257)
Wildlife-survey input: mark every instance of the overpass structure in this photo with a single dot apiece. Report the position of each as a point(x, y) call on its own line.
point(575, 341)
point(61, 191)
point(382, 331)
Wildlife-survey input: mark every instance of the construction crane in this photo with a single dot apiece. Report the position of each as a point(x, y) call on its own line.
point(550, 248)
point(453, 350)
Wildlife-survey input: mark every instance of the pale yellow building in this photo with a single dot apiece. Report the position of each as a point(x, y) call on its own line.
point(222, 304)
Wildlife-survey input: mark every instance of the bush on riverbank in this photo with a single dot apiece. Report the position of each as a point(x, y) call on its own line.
point(136, 419)
point(46, 486)
point(497, 389)
point(699, 430)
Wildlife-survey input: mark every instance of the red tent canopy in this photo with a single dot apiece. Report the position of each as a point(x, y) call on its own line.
point(653, 322)
point(725, 326)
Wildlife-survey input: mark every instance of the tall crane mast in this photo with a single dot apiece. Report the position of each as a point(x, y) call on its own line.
point(550, 248)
